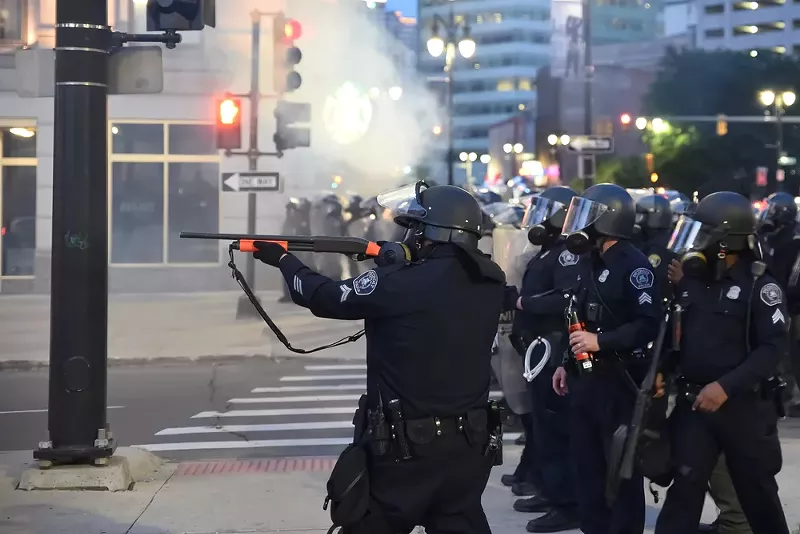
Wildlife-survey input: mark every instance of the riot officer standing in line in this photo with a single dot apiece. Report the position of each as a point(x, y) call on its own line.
point(778, 231)
point(618, 302)
point(726, 398)
point(430, 322)
point(654, 217)
point(297, 222)
point(550, 276)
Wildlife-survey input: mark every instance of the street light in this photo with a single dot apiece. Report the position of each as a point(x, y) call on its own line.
point(641, 123)
point(518, 148)
point(552, 139)
point(565, 139)
point(781, 101)
point(473, 156)
point(507, 148)
point(395, 93)
point(436, 47)
point(437, 130)
point(485, 158)
point(463, 156)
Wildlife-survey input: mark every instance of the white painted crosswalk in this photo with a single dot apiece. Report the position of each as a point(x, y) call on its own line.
point(289, 419)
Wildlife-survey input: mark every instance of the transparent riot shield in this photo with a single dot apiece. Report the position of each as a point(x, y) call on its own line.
point(511, 251)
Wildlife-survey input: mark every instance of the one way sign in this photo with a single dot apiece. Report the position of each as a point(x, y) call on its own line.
point(592, 144)
point(250, 182)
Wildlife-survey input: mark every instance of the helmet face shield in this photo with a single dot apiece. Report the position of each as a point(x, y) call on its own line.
point(690, 235)
point(540, 210)
point(581, 214)
point(405, 203)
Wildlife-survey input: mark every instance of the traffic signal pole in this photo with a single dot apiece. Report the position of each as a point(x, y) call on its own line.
point(77, 424)
point(583, 172)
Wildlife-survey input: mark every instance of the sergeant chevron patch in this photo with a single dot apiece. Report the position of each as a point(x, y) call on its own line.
point(778, 317)
point(644, 297)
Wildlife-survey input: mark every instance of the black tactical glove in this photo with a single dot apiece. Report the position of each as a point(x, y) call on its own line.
point(269, 253)
point(510, 297)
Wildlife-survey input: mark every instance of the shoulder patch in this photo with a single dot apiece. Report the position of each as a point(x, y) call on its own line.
point(655, 260)
point(345, 292)
point(771, 294)
point(567, 259)
point(642, 278)
point(366, 283)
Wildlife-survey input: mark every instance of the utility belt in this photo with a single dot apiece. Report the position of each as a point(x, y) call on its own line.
point(770, 389)
point(399, 437)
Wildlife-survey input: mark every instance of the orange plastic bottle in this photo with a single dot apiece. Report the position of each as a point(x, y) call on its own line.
point(584, 359)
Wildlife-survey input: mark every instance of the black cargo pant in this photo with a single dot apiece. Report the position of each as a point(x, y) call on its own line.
point(600, 402)
point(745, 429)
point(439, 489)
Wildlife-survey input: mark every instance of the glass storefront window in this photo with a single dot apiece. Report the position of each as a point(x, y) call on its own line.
point(18, 224)
point(192, 139)
point(12, 20)
point(193, 207)
point(19, 142)
point(137, 212)
point(131, 138)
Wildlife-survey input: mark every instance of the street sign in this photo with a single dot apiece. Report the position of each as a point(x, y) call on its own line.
point(592, 143)
point(250, 182)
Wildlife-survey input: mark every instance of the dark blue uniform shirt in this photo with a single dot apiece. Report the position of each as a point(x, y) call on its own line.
point(713, 344)
point(655, 248)
point(550, 277)
point(429, 328)
point(619, 298)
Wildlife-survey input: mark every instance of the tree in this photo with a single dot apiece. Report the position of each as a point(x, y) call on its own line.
point(707, 83)
point(629, 172)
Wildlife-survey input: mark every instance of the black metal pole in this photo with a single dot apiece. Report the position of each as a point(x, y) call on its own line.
point(244, 307)
point(79, 265)
point(450, 179)
point(588, 178)
point(779, 140)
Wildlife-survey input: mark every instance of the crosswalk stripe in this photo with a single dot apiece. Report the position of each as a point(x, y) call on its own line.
point(299, 389)
point(272, 413)
point(276, 427)
point(310, 398)
point(306, 378)
point(255, 444)
point(354, 367)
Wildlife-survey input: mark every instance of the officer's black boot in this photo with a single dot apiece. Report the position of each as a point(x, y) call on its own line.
point(533, 505)
point(524, 489)
point(710, 528)
point(556, 520)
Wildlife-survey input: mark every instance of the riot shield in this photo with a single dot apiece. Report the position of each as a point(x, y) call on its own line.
point(511, 251)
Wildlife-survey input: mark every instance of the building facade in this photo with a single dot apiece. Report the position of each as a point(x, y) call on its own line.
point(164, 171)
point(512, 41)
point(748, 26)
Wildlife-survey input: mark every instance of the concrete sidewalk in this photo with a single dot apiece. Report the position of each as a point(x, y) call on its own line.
point(144, 328)
point(248, 496)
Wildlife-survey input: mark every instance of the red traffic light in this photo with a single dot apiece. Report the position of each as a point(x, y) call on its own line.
point(228, 111)
point(292, 30)
point(625, 119)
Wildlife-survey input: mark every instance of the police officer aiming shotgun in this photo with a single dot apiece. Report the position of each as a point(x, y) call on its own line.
point(426, 436)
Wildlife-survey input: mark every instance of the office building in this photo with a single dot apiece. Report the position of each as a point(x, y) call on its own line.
point(749, 26)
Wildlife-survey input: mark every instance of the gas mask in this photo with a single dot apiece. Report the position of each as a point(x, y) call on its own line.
point(706, 264)
point(584, 241)
point(540, 235)
point(701, 249)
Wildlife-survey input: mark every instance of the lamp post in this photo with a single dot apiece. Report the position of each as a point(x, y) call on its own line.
point(781, 101)
point(448, 46)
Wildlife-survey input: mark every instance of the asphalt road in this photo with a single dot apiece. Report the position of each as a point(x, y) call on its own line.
point(148, 399)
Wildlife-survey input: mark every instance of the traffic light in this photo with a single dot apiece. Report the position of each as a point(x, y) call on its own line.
point(229, 124)
point(285, 32)
point(653, 177)
point(180, 15)
point(625, 121)
point(722, 125)
point(287, 135)
point(649, 163)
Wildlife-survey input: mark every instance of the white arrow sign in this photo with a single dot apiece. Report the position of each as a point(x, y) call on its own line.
point(591, 143)
point(250, 181)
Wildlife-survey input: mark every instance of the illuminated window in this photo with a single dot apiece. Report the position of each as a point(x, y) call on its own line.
point(164, 179)
point(525, 84)
point(498, 17)
point(13, 27)
point(17, 201)
point(505, 85)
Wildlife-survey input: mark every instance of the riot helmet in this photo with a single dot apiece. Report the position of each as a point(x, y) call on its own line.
point(653, 212)
point(723, 222)
point(546, 213)
point(440, 214)
point(780, 211)
point(602, 211)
